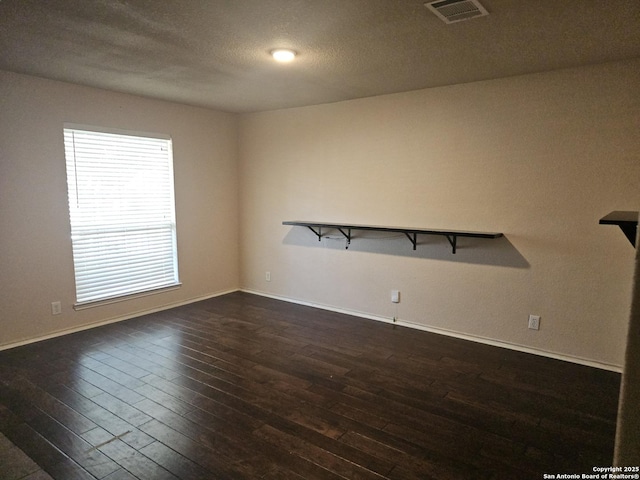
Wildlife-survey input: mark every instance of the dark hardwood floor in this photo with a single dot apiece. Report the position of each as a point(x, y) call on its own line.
point(242, 386)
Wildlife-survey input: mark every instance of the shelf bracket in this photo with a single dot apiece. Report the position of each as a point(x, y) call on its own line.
point(629, 232)
point(347, 236)
point(412, 238)
point(453, 240)
point(318, 233)
point(626, 221)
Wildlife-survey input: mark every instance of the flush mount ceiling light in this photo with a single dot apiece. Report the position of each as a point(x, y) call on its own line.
point(283, 55)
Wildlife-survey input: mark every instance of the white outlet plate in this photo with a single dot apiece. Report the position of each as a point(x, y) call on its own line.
point(267, 276)
point(395, 296)
point(534, 322)
point(56, 308)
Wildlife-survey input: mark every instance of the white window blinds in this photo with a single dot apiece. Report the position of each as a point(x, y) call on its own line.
point(121, 204)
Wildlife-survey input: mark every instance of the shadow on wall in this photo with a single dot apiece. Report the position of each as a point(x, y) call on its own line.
point(481, 251)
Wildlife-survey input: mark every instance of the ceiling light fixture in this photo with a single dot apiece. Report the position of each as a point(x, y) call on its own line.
point(283, 55)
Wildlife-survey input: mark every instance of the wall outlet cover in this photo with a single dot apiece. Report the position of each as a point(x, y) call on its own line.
point(534, 322)
point(395, 296)
point(56, 308)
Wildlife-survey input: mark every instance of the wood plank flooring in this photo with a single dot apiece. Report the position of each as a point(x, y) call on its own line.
point(244, 387)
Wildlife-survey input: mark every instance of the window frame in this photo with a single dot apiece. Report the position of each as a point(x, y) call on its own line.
point(168, 196)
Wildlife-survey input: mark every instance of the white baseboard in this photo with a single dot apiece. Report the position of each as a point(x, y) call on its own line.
point(355, 313)
point(449, 333)
point(100, 323)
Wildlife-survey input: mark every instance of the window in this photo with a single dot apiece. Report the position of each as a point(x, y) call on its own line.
point(121, 205)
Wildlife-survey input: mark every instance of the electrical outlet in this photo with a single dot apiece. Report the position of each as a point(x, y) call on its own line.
point(395, 296)
point(267, 276)
point(534, 322)
point(56, 308)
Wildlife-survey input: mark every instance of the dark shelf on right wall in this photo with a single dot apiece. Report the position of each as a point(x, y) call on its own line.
point(627, 221)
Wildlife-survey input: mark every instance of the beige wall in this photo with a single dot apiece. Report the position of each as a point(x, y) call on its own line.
point(36, 266)
point(539, 157)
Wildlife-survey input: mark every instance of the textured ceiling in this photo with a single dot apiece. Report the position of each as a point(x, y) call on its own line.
point(215, 53)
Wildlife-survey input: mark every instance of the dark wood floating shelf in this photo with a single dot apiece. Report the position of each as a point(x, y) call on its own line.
point(411, 233)
point(627, 221)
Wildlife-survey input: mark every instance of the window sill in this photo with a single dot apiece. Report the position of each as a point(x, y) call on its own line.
point(124, 298)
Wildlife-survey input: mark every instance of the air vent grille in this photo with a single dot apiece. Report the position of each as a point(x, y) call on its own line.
point(451, 11)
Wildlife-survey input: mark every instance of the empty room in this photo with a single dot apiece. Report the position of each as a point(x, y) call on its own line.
point(296, 239)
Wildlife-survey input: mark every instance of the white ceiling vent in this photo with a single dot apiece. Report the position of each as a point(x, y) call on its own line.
point(451, 11)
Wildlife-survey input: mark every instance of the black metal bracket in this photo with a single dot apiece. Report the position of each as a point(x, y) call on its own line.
point(412, 238)
point(347, 236)
point(318, 233)
point(627, 221)
point(453, 240)
point(630, 233)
